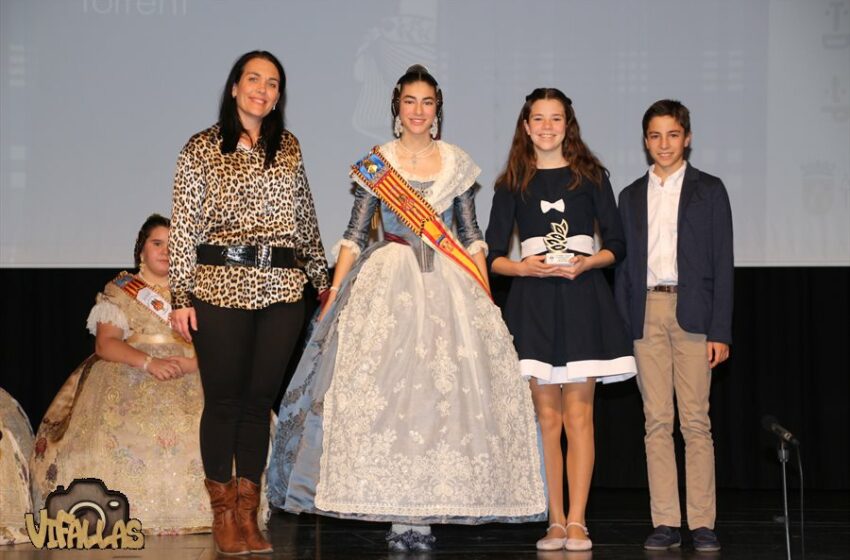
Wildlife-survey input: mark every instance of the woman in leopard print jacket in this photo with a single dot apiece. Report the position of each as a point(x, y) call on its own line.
point(244, 242)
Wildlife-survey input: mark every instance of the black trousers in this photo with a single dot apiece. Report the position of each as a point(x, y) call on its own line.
point(242, 355)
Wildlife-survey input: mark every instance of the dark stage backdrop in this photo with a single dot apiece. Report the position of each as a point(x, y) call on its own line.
point(791, 358)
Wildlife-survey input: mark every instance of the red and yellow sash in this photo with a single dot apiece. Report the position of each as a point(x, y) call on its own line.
point(144, 295)
point(375, 174)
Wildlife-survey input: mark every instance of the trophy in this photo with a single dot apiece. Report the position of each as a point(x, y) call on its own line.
point(556, 242)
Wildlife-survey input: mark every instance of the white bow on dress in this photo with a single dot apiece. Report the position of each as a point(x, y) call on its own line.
point(558, 205)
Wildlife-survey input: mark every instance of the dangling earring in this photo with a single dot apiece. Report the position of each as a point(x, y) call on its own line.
point(275, 107)
point(142, 267)
point(397, 129)
point(435, 128)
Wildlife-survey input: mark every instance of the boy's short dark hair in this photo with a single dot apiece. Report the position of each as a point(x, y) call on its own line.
point(668, 108)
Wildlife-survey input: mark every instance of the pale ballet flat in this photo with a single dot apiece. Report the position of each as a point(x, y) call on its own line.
point(553, 543)
point(578, 544)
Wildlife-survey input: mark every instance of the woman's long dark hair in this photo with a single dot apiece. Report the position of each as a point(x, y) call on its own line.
point(271, 130)
point(154, 221)
point(522, 161)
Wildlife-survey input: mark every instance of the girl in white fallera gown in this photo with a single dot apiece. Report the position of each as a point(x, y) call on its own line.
point(406, 406)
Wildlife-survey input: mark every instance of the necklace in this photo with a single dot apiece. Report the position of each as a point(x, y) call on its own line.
point(160, 288)
point(415, 155)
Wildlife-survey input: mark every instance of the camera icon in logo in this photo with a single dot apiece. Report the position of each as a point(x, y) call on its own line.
point(89, 499)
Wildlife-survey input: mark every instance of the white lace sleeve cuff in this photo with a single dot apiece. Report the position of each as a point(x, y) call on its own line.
point(477, 246)
point(107, 312)
point(352, 246)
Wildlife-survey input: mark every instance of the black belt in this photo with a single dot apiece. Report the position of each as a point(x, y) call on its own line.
point(260, 256)
point(667, 289)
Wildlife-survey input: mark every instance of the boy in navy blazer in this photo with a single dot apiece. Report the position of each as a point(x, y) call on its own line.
point(674, 291)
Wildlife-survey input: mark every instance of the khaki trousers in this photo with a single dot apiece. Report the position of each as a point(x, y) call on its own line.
point(672, 362)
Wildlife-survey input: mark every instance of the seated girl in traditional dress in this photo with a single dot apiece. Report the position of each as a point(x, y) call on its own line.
point(129, 414)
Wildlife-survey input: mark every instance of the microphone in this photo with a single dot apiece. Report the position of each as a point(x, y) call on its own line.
point(771, 424)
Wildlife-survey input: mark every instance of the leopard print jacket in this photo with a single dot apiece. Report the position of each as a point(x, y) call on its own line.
point(229, 199)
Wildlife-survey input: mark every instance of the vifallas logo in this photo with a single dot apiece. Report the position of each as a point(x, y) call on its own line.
point(87, 515)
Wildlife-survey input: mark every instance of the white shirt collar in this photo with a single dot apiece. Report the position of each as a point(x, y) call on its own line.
point(673, 180)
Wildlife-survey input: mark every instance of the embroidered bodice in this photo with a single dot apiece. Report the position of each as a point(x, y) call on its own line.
point(451, 194)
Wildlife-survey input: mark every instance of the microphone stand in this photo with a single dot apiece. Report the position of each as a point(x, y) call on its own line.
point(783, 454)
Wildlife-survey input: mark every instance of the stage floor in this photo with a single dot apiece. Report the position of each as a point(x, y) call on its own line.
point(618, 522)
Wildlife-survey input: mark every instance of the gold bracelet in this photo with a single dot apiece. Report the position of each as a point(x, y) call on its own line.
point(148, 361)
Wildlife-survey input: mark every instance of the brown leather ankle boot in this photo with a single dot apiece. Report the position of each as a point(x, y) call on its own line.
point(246, 516)
point(228, 539)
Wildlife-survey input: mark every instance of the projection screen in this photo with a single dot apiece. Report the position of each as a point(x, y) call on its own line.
point(98, 97)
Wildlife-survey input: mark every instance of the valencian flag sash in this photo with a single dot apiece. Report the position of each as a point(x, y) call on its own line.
point(376, 175)
point(145, 295)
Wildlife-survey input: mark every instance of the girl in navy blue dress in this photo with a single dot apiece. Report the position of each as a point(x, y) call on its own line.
point(566, 328)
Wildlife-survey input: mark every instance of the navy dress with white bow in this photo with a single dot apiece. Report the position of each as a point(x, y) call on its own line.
point(564, 330)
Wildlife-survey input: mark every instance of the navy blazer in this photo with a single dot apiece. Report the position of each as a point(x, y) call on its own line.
point(704, 257)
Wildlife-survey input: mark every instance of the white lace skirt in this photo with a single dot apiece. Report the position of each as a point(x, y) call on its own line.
point(421, 416)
